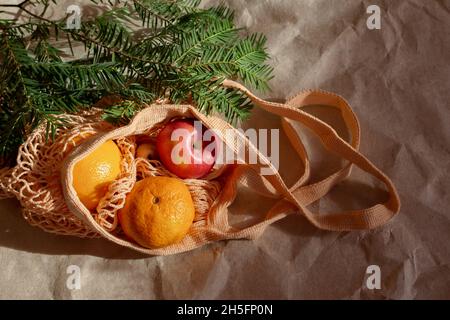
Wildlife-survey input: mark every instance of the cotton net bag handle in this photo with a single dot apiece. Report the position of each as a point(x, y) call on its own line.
point(302, 196)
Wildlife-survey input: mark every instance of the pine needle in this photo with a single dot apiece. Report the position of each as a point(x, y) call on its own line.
point(181, 52)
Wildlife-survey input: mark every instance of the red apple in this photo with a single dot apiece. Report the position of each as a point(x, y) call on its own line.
point(183, 151)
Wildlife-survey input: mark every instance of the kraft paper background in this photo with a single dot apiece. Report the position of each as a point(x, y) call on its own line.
point(398, 81)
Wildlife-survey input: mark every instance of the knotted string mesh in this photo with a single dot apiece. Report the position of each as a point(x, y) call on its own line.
point(35, 180)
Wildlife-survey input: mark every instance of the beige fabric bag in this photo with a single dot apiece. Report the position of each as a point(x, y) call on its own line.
point(55, 206)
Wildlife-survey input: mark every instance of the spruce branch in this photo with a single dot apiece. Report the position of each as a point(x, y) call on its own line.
point(122, 113)
point(181, 52)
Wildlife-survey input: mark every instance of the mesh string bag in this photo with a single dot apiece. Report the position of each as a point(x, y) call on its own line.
point(42, 178)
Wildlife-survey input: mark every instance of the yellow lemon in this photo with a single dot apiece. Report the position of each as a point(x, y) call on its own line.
point(93, 174)
point(158, 211)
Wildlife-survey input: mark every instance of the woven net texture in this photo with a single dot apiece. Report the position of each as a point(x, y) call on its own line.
point(35, 180)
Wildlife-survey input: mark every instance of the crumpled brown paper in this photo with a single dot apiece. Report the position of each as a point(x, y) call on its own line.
point(396, 79)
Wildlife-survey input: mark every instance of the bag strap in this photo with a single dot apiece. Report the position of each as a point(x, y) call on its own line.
point(302, 196)
point(310, 193)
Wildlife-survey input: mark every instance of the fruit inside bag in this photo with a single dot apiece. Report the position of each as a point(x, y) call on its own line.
point(131, 197)
point(44, 178)
point(35, 181)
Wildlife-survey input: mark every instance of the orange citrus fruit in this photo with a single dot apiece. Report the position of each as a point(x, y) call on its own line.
point(93, 174)
point(158, 211)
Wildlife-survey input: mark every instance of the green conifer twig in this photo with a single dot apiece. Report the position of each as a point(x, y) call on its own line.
point(181, 52)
